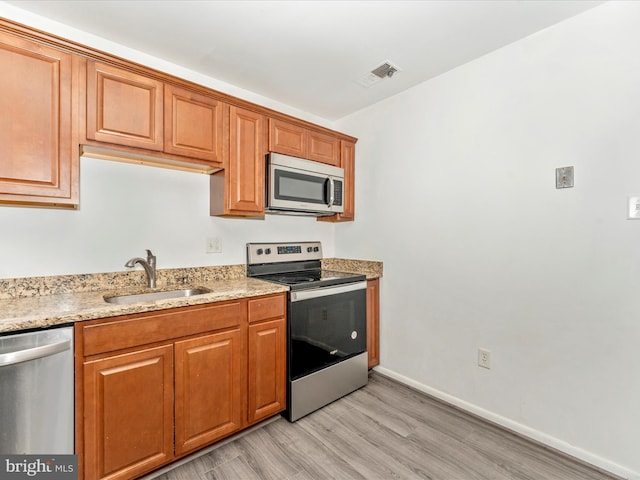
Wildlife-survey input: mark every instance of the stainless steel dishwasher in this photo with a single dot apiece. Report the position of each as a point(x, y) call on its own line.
point(36, 392)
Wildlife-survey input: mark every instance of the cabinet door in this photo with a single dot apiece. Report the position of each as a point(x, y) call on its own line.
point(348, 156)
point(246, 161)
point(323, 147)
point(347, 162)
point(287, 138)
point(373, 322)
point(209, 382)
point(38, 157)
point(124, 108)
point(267, 381)
point(128, 421)
point(192, 124)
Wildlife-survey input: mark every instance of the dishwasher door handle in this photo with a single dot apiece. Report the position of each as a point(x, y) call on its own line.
point(33, 353)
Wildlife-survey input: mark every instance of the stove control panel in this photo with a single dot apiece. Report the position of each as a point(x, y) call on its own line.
point(283, 252)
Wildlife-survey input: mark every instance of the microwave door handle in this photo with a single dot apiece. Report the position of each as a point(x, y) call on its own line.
point(331, 195)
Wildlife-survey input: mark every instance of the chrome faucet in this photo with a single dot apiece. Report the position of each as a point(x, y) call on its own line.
point(149, 266)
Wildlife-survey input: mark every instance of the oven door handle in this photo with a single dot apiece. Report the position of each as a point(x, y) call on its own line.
point(326, 291)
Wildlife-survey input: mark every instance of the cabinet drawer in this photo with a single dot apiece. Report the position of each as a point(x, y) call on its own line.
point(135, 330)
point(266, 308)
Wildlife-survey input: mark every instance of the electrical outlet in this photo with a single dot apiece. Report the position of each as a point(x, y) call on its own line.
point(484, 358)
point(564, 177)
point(214, 245)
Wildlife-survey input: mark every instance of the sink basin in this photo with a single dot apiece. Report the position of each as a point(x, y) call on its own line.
point(152, 296)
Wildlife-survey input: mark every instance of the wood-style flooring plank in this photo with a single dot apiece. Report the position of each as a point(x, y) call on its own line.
point(385, 430)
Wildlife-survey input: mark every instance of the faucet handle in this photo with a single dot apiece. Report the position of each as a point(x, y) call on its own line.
point(151, 259)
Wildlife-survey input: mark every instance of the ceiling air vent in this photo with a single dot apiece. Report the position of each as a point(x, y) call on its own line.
point(386, 70)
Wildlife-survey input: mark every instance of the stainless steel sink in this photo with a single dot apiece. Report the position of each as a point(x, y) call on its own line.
point(152, 296)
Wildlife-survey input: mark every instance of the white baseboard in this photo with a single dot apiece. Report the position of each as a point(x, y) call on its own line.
point(516, 427)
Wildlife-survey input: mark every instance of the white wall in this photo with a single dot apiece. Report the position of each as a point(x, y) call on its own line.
point(456, 194)
point(127, 208)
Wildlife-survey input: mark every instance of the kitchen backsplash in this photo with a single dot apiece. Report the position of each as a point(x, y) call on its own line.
point(53, 285)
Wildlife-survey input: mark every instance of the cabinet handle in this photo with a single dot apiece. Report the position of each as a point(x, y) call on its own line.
point(33, 353)
point(331, 192)
point(327, 291)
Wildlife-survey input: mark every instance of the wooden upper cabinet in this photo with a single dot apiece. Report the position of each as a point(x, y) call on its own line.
point(239, 189)
point(297, 141)
point(193, 124)
point(287, 138)
point(58, 99)
point(123, 107)
point(347, 162)
point(323, 147)
point(38, 137)
point(246, 161)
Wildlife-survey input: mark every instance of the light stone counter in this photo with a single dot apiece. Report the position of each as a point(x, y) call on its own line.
point(58, 309)
point(37, 302)
point(366, 267)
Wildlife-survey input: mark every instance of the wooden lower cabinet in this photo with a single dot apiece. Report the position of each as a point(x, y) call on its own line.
point(267, 357)
point(139, 407)
point(373, 321)
point(267, 387)
point(128, 420)
point(209, 376)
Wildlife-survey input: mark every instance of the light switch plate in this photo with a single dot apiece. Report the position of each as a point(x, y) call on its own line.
point(633, 211)
point(214, 245)
point(564, 177)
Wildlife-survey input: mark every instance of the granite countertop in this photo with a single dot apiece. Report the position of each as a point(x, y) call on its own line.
point(61, 308)
point(37, 302)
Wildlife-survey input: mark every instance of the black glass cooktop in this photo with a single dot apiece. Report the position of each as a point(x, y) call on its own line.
point(312, 278)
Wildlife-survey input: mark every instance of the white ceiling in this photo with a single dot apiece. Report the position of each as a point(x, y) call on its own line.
point(312, 54)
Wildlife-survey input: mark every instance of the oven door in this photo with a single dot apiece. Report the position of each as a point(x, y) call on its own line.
point(326, 326)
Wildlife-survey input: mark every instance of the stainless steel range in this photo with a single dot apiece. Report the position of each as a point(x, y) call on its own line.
point(326, 323)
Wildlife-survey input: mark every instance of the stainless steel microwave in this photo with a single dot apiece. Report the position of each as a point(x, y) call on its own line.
point(303, 187)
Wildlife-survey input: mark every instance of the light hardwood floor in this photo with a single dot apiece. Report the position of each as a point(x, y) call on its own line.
point(383, 431)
